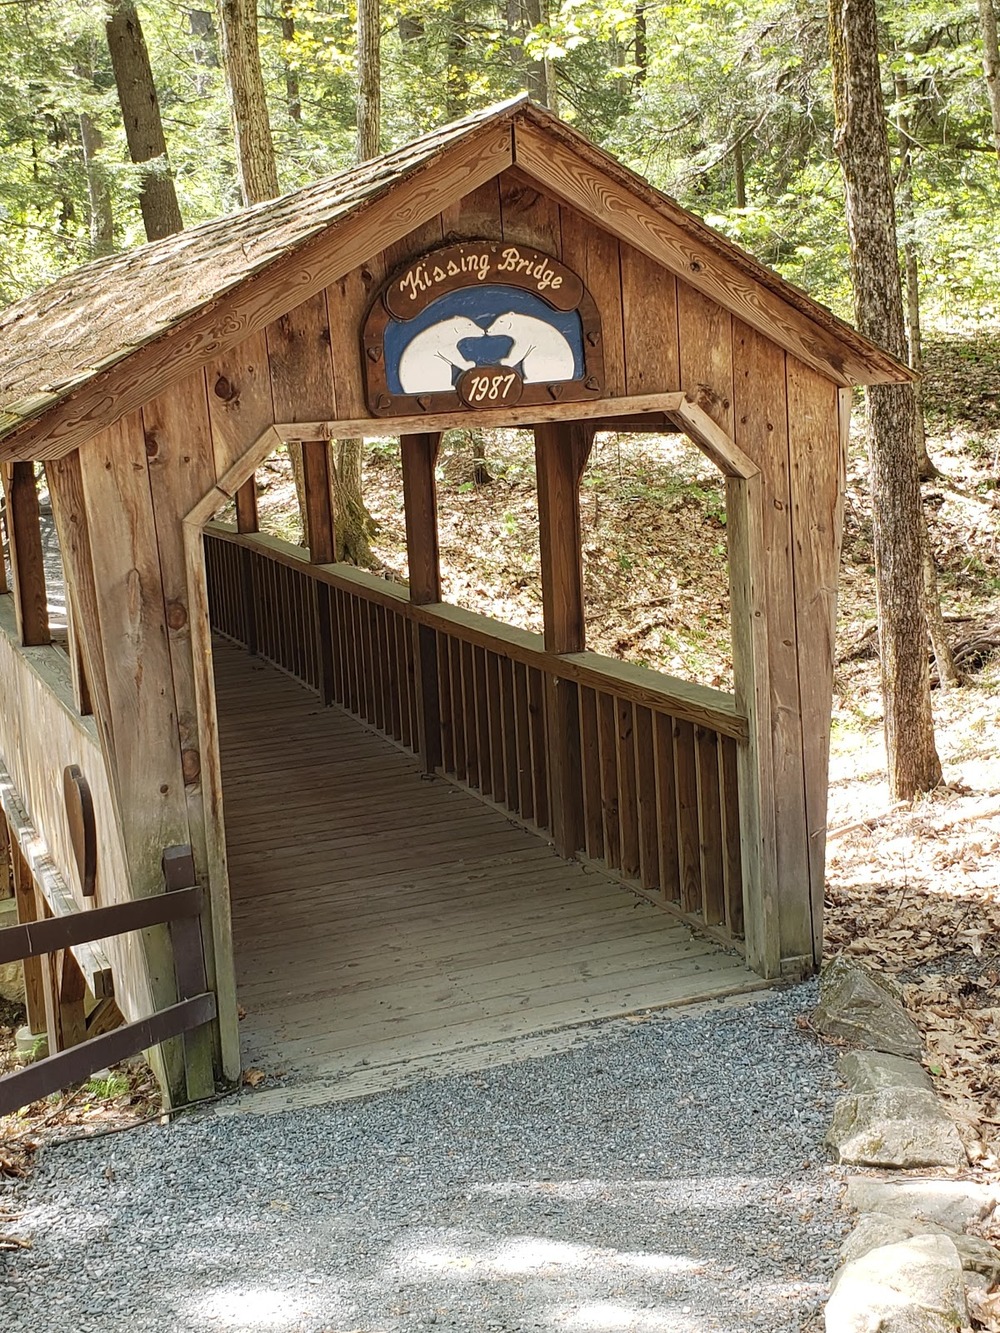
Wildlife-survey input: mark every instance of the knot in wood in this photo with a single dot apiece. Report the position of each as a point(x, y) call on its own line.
point(176, 614)
point(191, 766)
point(224, 389)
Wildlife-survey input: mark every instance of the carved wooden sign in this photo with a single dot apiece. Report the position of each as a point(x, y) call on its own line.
point(484, 324)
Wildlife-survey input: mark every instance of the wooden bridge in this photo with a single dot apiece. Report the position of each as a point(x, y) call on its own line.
point(596, 813)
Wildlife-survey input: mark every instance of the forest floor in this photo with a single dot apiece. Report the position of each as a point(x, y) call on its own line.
point(915, 889)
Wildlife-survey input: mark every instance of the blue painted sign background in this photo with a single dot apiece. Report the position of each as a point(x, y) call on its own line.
point(434, 364)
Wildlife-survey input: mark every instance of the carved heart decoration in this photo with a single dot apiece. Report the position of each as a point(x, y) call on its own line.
point(423, 402)
point(556, 391)
point(374, 353)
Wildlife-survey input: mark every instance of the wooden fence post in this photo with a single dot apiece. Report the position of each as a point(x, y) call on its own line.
point(561, 452)
point(419, 454)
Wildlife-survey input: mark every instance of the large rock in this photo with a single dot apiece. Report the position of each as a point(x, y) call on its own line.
point(952, 1204)
point(875, 1230)
point(897, 1127)
point(865, 1008)
point(12, 983)
point(913, 1286)
point(871, 1071)
point(11, 974)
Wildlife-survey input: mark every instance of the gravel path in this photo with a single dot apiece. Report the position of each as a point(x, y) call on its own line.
point(664, 1175)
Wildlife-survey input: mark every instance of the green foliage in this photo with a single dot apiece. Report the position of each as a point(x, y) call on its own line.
point(725, 104)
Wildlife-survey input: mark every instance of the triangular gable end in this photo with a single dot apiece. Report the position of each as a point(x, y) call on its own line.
point(88, 377)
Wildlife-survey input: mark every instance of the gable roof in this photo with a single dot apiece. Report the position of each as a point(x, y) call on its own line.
point(93, 320)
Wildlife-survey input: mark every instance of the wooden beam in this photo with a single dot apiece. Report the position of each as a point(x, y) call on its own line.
point(755, 763)
point(27, 911)
point(246, 506)
point(318, 518)
point(27, 560)
point(649, 227)
point(465, 419)
point(561, 452)
point(419, 455)
point(3, 540)
point(317, 479)
point(265, 296)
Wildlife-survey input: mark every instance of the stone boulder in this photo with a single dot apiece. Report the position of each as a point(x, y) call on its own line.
point(912, 1286)
point(951, 1204)
point(898, 1127)
point(871, 1071)
point(865, 1008)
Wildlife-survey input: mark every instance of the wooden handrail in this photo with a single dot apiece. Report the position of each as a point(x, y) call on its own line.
point(180, 909)
point(35, 938)
point(705, 707)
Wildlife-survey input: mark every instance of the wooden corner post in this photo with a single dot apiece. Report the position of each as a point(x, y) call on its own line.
point(755, 771)
point(419, 455)
point(561, 453)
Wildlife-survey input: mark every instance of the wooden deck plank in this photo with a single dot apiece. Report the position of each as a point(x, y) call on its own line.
point(382, 916)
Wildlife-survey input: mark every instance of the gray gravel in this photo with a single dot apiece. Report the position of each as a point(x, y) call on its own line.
point(664, 1175)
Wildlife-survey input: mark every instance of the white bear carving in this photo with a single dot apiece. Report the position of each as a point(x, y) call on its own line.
point(543, 353)
point(427, 361)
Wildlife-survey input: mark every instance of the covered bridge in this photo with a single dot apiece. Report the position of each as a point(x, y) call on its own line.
point(498, 271)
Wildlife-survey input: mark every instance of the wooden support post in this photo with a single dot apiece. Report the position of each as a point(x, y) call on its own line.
point(27, 911)
point(24, 534)
point(3, 543)
point(561, 452)
point(188, 947)
point(317, 480)
point(77, 665)
point(755, 767)
point(419, 455)
point(248, 521)
point(70, 991)
point(246, 506)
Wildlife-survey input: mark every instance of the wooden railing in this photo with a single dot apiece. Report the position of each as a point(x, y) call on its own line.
point(180, 909)
point(638, 775)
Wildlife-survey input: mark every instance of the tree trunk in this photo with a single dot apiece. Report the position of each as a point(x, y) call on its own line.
point(369, 103)
point(353, 525)
point(456, 77)
point(538, 88)
point(739, 174)
point(161, 214)
point(293, 93)
point(897, 517)
point(911, 272)
point(102, 221)
point(991, 64)
point(255, 164)
point(641, 43)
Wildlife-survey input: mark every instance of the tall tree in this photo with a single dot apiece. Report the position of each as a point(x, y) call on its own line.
point(255, 162)
point(354, 524)
point(862, 145)
point(369, 88)
point(161, 214)
point(991, 64)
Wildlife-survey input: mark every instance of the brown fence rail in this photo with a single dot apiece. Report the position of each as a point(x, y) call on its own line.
point(180, 909)
point(653, 762)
